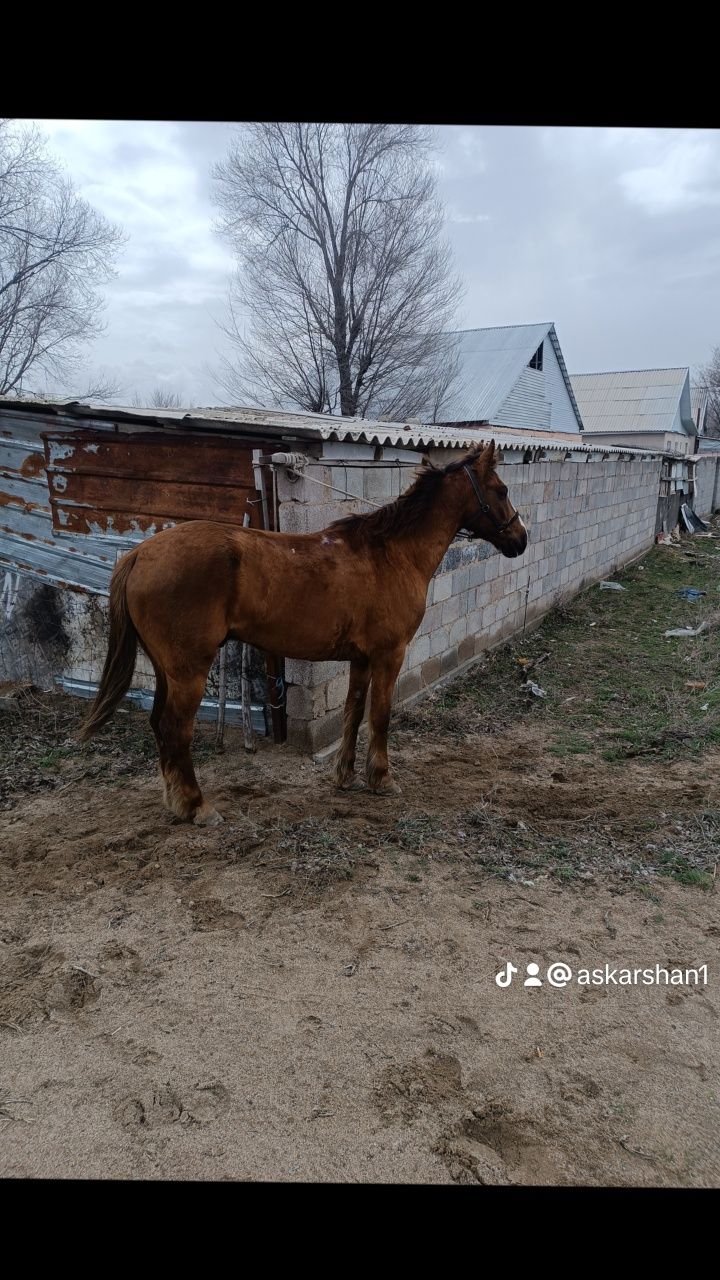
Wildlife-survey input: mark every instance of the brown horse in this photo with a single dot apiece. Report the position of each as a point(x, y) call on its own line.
point(356, 591)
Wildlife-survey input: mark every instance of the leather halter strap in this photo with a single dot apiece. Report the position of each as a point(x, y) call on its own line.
point(500, 528)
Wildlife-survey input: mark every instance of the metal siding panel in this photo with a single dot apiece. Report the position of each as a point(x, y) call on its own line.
point(527, 405)
point(562, 410)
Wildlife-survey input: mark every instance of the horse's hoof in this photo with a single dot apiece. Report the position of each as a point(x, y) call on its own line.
point(387, 787)
point(351, 784)
point(206, 816)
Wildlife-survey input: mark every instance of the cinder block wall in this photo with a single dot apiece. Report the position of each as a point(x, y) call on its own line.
point(707, 489)
point(585, 519)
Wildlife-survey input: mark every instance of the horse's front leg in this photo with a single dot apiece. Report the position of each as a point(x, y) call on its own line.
point(384, 674)
point(174, 730)
point(345, 775)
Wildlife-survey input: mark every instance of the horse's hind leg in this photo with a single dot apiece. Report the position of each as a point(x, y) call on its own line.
point(384, 674)
point(345, 775)
point(173, 725)
point(161, 692)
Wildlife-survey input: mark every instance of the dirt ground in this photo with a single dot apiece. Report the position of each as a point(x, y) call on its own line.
point(308, 993)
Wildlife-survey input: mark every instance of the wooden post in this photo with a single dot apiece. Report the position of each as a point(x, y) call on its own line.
point(222, 698)
point(245, 689)
point(246, 700)
point(274, 665)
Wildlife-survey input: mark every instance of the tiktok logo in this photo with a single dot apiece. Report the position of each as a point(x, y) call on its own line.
point(505, 976)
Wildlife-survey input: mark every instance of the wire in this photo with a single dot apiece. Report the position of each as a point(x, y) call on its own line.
point(280, 688)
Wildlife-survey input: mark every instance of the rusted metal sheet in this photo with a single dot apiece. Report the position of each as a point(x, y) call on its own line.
point(74, 496)
point(135, 484)
point(28, 544)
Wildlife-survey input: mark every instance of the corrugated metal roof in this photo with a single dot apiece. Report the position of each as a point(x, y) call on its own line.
point(635, 400)
point(491, 362)
point(310, 426)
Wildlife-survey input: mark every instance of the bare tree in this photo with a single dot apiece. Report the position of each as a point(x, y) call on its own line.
point(102, 387)
point(55, 250)
point(342, 268)
point(159, 398)
point(709, 379)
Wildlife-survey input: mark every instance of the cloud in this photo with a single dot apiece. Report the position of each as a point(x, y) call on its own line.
point(463, 152)
point(456, 215)
point(612, 233)
point(152, 177)
point(685, 174)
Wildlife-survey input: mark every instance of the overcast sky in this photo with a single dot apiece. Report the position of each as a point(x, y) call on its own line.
point(614, 234)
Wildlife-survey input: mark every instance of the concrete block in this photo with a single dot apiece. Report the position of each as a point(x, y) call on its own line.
point(377, 485)
point(314, 735)
point(466, 649)
point(448, 661)
point(336, 690)
point(441, 587)
point(349, 480)
point(347, 450)
point(409, 684)
point(305, 704)
point(419, 650)
point(450, 610)
point(460, 580)
point(431, 671)
point(312, 673)
point(438, 641)
point(458, 631)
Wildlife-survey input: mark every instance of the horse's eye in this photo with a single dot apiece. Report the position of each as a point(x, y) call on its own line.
point(503, 491)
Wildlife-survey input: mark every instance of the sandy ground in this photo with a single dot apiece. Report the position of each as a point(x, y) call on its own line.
point(308, 993)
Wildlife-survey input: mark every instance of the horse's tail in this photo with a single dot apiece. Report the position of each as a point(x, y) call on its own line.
point(121, 654)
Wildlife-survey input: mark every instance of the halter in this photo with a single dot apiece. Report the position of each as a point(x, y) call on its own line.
point(499, 528)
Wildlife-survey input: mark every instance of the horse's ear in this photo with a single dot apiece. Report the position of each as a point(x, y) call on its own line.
point(488, 457)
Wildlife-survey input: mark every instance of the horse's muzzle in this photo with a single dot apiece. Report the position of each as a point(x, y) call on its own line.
point(515, 541)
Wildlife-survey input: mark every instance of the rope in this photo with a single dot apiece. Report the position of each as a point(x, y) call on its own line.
point(325, 485)
point(459, 536)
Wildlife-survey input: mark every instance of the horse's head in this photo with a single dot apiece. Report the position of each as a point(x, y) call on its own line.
point(488, 512)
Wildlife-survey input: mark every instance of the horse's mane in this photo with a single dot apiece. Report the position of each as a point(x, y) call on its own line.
point(406, 512)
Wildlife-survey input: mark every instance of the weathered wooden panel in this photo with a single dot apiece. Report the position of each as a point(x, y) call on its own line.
point(152, 456)
point(136, 484)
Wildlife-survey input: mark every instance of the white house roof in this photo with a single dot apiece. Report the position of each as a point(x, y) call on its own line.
point(491, 362)
point(635, 400)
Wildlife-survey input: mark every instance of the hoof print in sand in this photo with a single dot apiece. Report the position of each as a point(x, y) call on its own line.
point(211, 913)
point(164, 1106)
point(403, 1091)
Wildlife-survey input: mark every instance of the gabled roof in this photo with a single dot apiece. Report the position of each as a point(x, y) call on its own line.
point(635, 400)
point(491, 362)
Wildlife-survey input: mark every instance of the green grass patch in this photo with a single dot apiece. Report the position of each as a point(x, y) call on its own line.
point(615, 684)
